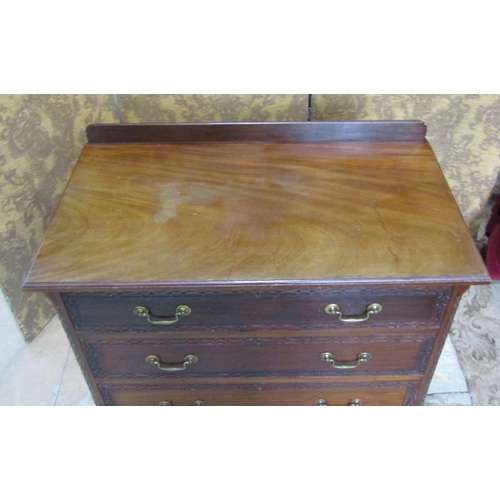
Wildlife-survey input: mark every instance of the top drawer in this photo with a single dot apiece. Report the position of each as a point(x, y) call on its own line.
point(298, 309)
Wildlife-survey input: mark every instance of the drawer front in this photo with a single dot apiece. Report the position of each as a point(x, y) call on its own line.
point(262, 395)
point(300, 309)
point(246, 357)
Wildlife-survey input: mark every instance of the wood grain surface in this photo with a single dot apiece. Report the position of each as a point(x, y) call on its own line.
point(412, 130)
point(256, 212)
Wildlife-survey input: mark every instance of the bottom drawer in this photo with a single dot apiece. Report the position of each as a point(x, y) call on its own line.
point(395, 394)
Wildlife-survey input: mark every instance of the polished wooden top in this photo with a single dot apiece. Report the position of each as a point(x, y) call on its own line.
point(258, 212)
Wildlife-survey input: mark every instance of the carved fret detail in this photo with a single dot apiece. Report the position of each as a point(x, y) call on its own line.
point(411, 395)
point(396, 339)
point(444, 292)
point(256, 386)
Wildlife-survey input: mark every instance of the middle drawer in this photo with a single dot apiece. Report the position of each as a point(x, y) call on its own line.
point(235, 356)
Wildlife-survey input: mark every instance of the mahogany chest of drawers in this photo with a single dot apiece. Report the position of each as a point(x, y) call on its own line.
point(312, 263)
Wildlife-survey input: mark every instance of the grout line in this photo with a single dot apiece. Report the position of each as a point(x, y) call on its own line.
point(61, 378)
point(448, 392)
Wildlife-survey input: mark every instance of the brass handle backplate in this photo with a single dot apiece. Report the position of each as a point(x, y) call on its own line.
point(362, 358)
point(190, 359)
point(335, 309)
point(180, 311)
point(353, 402)
point(198, 402)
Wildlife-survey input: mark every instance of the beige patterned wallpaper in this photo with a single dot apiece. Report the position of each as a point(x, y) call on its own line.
point(463, 129)
point(140, 108)
point(40, 139)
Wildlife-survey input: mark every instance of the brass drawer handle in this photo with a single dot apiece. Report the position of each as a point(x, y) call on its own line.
point(180, 311)
point(190, 359)
point(335, 309)
point(353, 402)
point(362, 358)
point(198, 402)
point(356, 402)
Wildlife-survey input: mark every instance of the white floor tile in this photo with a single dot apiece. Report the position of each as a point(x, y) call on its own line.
point(449, 399)
point(32, 375)
point(73, 390)
point(448, 376)
point(11, 337)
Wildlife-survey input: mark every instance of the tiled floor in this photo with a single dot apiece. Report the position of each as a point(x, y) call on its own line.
point(46, 373)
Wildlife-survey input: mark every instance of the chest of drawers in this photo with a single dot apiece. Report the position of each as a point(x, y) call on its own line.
point(257, 264)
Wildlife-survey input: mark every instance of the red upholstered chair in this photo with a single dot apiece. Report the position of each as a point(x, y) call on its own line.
point(493, 248)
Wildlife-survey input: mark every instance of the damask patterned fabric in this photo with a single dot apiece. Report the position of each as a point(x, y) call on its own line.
point(153, 108)
point(40, 139)
point(463, 130)
point(475, 333)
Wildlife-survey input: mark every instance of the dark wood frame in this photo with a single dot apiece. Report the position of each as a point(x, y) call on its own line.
point(410, 130)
